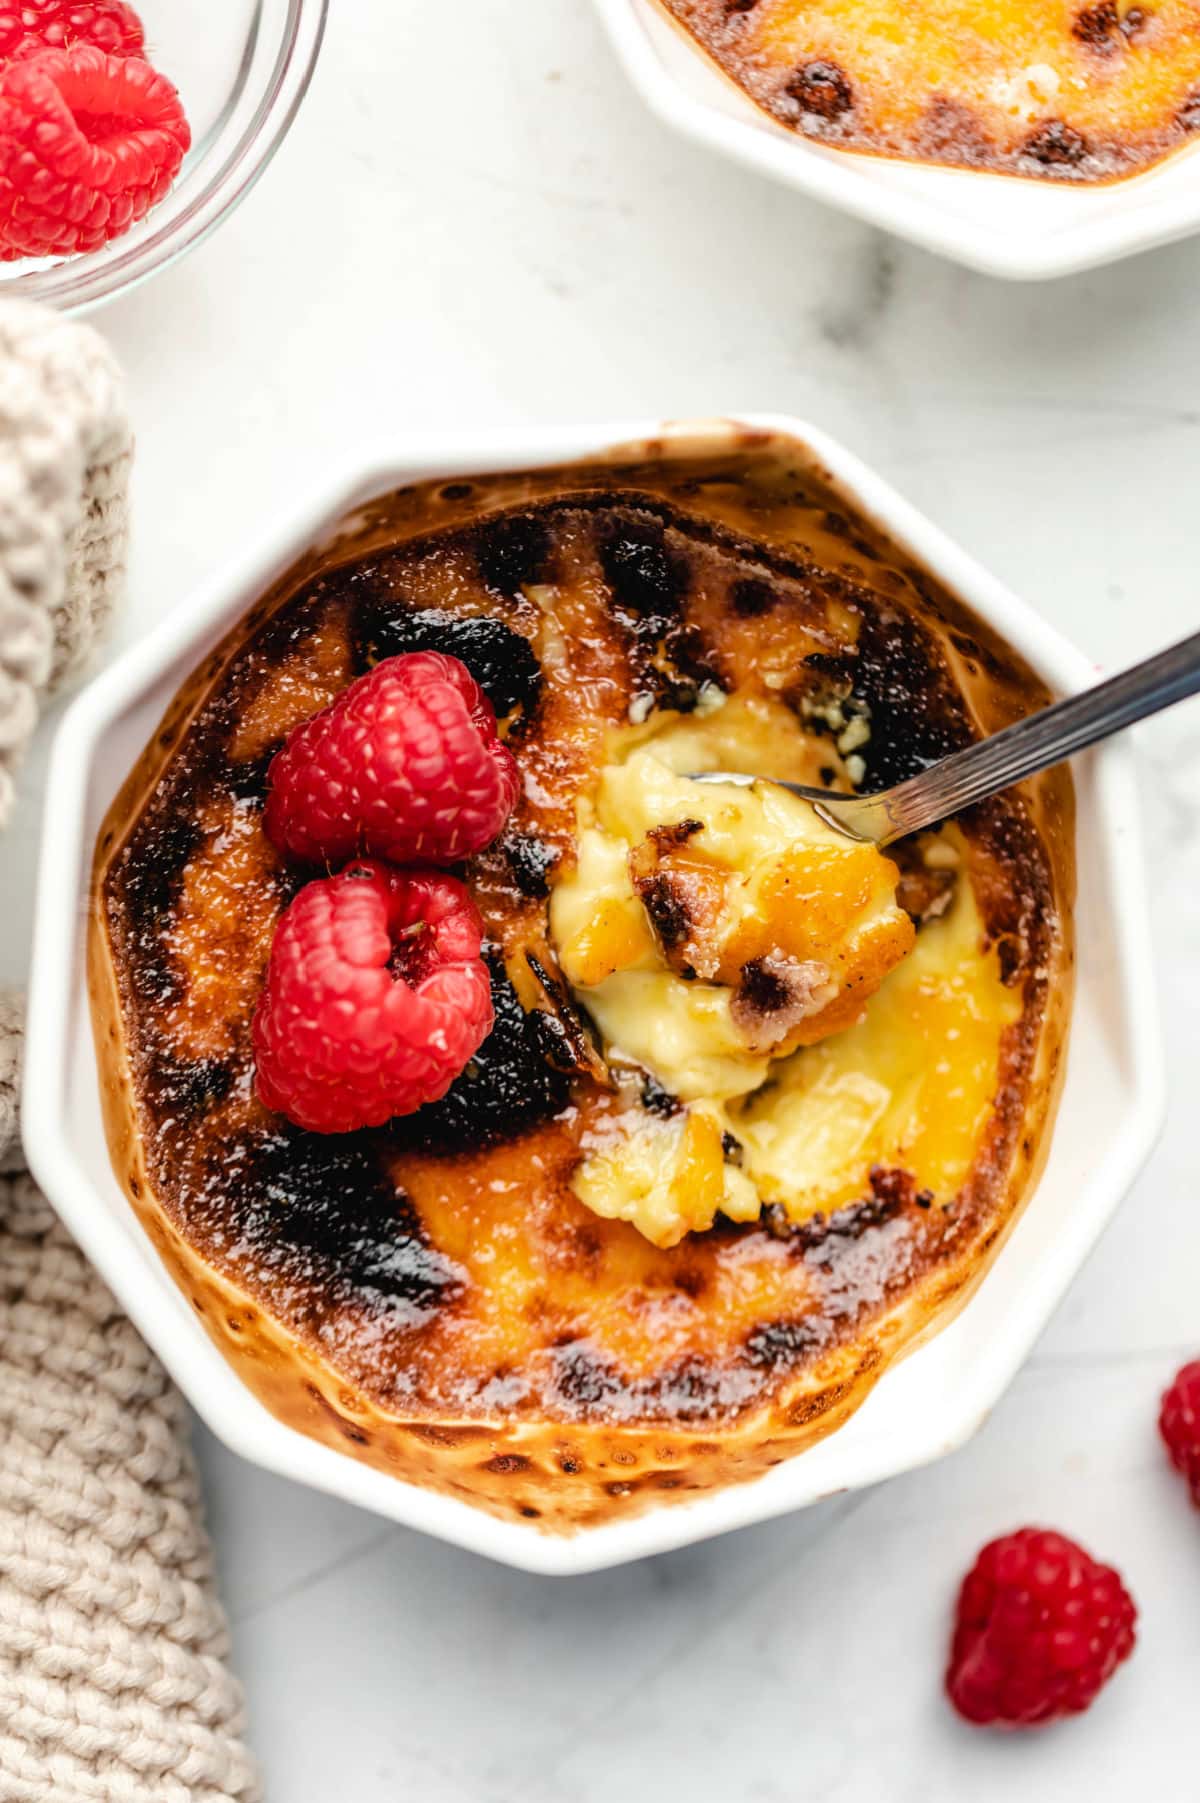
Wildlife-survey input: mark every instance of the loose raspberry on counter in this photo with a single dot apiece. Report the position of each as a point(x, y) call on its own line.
point(1039, 1629)
point(375, 998)
point(1179, 1424)
point(404, 765)
point(88, 144)
point(36, 25)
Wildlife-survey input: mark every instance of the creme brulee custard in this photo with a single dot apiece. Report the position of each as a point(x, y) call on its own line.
point(757, 1102)
point(714, 933)
point(1081, 91)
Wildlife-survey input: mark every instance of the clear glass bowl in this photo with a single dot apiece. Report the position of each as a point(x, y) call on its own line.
point(242, 68)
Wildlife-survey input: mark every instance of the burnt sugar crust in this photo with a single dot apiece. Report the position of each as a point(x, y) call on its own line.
point(1080, 93)
point(432, 1298)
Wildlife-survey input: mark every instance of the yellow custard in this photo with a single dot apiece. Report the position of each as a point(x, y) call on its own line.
point(1079, 91)
point(758, 964)
point(910, 1087)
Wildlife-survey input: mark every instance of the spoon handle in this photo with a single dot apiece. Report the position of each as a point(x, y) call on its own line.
point(1042, 739)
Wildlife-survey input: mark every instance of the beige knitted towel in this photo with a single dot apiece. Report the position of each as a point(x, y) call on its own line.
point(112, 1682)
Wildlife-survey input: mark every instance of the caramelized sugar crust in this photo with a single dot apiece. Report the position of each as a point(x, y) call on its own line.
point(433, 1297)
point(1076, 91)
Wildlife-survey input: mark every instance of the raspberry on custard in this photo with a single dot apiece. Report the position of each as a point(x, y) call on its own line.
point(1039, 1629)
point(404, 765)
point(1179, 1425)
point(375, 998)
point(88, 144)
point(31, 26)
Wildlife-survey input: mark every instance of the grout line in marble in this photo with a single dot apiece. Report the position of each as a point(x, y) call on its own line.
point(1151, 413)
point(317, 1575)
point(1177, 1350)
point(553, 197)
point(421, 1767)
point(840, 1511)
point(1076, 431)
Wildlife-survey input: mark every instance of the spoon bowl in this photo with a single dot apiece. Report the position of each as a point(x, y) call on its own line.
point(1048, 737)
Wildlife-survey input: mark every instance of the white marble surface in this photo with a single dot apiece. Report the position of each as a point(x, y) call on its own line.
point(475, 222)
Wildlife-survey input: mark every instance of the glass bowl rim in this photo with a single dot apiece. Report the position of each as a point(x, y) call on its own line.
point(76, 285)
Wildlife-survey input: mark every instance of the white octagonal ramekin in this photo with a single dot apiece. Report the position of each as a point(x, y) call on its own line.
point(925, 1405)
point(1004, 225)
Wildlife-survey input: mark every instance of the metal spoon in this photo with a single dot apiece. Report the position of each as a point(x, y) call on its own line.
point(1033, 744)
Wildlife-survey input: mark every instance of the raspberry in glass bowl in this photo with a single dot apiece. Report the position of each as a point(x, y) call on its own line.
point(240, 72)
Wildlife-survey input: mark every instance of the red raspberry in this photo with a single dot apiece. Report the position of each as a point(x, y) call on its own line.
point(37, 25)
point(1179, 1424)
point(375, 998)
point(405, 765)
point(88, 144)
point(1039, 1630)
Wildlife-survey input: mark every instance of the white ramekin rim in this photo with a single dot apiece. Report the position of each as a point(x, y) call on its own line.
point(1020, 230)
point(66, 1162)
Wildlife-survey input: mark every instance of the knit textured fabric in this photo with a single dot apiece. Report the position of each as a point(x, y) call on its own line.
point(65, 449)
point(113, 1686)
